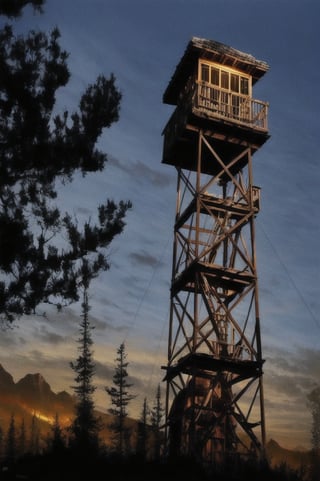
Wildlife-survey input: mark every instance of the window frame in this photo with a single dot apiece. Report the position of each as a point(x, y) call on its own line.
point(224, 73)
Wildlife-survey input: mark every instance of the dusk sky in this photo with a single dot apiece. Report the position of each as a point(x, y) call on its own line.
point(141, 42)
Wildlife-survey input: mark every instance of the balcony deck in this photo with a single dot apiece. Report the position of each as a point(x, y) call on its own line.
point(230, 121)
point(239, 109)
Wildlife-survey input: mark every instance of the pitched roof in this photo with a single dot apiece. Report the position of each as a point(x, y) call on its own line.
point(216, 52)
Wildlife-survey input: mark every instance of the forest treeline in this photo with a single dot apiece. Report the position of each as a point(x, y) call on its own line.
point(136, 449)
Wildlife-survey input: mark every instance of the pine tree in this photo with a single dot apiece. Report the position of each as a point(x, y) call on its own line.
point(313, 401)
point(142, 443)
point(314, 405)
point(11, 442)
point(34, 435)
point(56, 443)
point(120, 398)
point(43, 249)
point(86, 425)
point(157, 413)
point(1, 442)
point(22, 439)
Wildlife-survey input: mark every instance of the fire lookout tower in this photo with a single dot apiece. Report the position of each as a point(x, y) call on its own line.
point(214, 401)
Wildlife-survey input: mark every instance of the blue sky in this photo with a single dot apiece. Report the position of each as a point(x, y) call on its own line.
point(141, 42)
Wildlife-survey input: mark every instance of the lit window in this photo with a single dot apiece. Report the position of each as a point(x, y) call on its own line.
point(215, 76)
point(244, 86)
point(224, 80)
point(234, 82)
point(205, 73)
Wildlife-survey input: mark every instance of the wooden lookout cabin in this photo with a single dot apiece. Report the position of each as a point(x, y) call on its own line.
point(212, 89)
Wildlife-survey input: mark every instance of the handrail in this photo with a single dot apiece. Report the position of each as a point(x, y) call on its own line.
point(220, 103)
point(216, 104)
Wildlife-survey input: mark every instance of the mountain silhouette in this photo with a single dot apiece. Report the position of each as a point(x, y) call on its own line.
point(34, 390)
point(32, 396)
point(278, 455)
point(6, 380)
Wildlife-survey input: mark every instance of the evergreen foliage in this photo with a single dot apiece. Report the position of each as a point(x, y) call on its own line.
point(1, 441)
point(13, 8)
point(34, 436)
point(314, 405)
point(313, 400)
point(142, 442)
point(86, 425)
point(44, 250)
point(22, 440)
point(11, 445)
point(57, 442)
point(157, 414)
point(120, 398)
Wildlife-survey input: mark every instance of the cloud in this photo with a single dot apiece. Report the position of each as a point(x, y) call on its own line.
point(289, 376)
point(142, 173)
point(104, 371)
point(47, 336)
point(143, 258)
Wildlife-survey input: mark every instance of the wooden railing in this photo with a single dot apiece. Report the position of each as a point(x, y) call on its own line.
point(219, 103)
point(215, 103)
